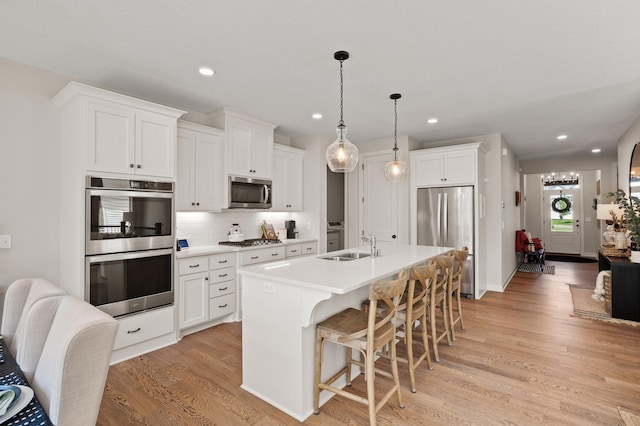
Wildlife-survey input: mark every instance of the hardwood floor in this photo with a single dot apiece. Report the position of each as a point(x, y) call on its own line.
point(522, 360)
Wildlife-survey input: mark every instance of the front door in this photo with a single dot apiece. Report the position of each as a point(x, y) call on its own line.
point(562, 221)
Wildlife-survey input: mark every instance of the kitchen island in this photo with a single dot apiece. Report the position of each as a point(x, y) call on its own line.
point(283, 301)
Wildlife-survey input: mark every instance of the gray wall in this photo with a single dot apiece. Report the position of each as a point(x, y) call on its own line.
point(29, 172)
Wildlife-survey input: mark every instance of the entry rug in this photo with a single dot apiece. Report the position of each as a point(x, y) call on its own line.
point(584, 306)
point(535, 268)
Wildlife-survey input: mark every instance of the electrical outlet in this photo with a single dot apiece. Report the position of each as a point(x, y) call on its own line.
point(5, 241)
point(269, 288)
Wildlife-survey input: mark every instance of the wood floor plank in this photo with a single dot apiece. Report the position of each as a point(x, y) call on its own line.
point(524, 359)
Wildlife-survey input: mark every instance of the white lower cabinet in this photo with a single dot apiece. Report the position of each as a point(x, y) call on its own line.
point(269, 254)
point(144, 326)
point(222, 288)
point(301, 249)
point(207, 286)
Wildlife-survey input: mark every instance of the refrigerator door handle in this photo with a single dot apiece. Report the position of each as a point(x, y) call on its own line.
point(445, 215)
point(440, 233)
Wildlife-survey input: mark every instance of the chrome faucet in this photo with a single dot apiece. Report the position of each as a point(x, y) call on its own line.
point(372, 241)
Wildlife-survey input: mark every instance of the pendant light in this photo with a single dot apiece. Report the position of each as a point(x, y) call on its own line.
point(341, 155)
point(395, 170)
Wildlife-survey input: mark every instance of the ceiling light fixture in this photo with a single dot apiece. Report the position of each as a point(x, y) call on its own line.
point(206, 71)
point(432, 120)
point(596, 150)
point(395, 170)
point(317, 116)
point(341, 155)
point(562, 137)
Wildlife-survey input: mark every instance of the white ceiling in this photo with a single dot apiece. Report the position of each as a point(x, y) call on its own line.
point(531, 70)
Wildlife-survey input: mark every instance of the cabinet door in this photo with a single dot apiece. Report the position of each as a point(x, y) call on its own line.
point(209, 169)
point(239, 148)
point(194, 299)
point(429, 170)
point(294, 182)
point(262, 152)
point(110, 139)
point(155, 145)
point(279, 181)
point(287, 181)
point(459, 168)
point(186, 173)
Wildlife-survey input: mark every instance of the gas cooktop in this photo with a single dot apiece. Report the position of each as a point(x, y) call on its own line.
point(250, 242)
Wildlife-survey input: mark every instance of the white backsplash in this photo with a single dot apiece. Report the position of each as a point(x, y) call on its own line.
point(203, 229)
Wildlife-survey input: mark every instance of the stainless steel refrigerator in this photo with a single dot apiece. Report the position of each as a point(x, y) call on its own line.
point(446, 218)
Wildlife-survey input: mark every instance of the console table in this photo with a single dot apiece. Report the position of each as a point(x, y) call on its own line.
point(625, 286)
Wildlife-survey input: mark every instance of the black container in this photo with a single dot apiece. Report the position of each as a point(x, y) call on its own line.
point(290, 226)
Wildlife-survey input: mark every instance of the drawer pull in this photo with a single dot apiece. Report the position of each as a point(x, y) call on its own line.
point(197, 265)
point(294, 251)
point(223, 289)
point(254, 257)
point(134, 331)
point(274, 254)
point(223, 306)
point(222, 261)
point(222, 275)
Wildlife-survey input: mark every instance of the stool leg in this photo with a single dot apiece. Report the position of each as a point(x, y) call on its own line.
point(432, 324)
point(316, 388)
point(450, 309)
point(460, 309)
point(425, 339)
point(408, 336)
point(396, 374)
point(371, 378)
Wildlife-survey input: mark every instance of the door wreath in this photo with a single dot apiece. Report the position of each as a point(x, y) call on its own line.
point(561, 205)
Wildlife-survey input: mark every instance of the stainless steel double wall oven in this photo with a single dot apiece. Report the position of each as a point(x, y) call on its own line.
point(129, 244)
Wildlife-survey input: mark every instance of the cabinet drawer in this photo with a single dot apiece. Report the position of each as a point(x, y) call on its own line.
point(223, 305)
point(144, 326)
point(263, 255)
point(308, 248)
point(223, 260)
point(221, 289)
point(192, 265)
point(221, 275)
point(294, 250)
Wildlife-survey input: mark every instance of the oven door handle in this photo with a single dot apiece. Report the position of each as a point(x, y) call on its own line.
point(265, 193)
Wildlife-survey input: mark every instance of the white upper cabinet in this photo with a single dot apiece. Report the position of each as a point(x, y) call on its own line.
point(200, 178)
point(287, 178)
point(123, 135)
point(248, 145)
point(438, 167)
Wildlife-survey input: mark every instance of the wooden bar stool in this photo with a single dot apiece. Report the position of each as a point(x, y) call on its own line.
point(459, 258)
point(368, 333)
point(438, 297)
point(413, 311)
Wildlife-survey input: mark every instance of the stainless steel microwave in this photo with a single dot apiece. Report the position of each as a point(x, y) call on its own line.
point(249, 193)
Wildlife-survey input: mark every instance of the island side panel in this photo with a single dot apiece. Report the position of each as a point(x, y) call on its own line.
point(278, 353)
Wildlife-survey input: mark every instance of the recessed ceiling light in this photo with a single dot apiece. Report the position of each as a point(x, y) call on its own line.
point(317, 116)
point(596, 150)
point(562, 137)
point(432, 120)
point(206, 71)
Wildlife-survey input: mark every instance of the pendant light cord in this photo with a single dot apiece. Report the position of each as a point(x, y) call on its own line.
point(341, 122)
point(395, 130)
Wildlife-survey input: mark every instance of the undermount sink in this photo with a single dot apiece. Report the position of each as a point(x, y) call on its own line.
point(343, 257)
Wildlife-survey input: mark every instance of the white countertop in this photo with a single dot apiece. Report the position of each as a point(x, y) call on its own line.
point(313, 272)
point(220, 248)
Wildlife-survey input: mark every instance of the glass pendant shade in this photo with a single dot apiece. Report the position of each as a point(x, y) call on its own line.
point(342, 155)
point(396, 170)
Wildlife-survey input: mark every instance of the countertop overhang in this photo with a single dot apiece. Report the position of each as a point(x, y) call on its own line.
point(314, 272)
